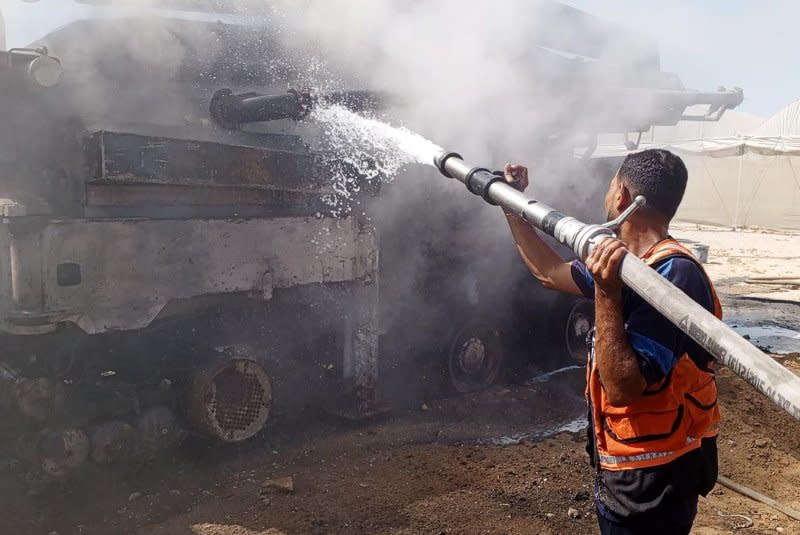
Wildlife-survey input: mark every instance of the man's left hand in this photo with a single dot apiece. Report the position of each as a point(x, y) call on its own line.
point(604, 263)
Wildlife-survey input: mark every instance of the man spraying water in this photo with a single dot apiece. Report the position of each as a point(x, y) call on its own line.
point(650, 388)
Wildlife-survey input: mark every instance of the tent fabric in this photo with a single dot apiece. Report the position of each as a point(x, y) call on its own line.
point(742, 175)
point(749, 190)
point(784, 124)
point(780, 134)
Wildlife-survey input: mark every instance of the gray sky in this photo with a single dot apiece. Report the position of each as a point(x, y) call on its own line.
point(746, 43)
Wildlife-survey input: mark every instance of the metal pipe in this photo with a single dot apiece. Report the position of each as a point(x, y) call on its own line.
point(767, 376)
point(37, 65)
point(727, 98)
point(231, 111)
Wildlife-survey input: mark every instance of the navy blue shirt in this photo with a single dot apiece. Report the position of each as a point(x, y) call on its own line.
point(657, 342)
point(669, 491)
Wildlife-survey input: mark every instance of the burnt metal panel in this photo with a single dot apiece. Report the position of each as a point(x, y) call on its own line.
point(125, 157)
point(152, 263)
point(106, 198)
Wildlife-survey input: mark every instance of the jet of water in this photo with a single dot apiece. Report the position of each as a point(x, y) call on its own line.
point(360, 148)
point(375, 149)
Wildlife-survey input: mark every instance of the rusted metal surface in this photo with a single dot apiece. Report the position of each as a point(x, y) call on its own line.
point(131, 199)
point(130, 269)
point(360, 349)
point(230, 399)
point(123, 222)
point(133, 157)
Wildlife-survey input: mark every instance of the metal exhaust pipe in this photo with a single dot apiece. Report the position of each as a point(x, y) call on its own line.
point(231, 111)
point(767, 376)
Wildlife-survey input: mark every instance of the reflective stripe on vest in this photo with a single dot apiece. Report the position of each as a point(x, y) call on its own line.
point(619, 460)
point(662, 456)
point(670, 418)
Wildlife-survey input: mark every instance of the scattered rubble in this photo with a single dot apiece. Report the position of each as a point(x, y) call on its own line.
point(232, 529)
point(573, 513)
point(280, 485)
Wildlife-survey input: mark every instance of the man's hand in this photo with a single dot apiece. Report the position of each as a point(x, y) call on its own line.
point(545, 264)
point(516, 175)
point(604, 263)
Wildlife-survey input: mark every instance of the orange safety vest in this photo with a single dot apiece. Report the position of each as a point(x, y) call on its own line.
point(670, 418)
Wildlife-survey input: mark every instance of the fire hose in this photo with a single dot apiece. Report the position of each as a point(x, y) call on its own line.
point(767, 376)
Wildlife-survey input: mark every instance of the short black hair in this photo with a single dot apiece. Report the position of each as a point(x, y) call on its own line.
point(657, 174)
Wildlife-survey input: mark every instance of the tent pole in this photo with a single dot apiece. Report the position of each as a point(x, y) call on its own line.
point(738, 192)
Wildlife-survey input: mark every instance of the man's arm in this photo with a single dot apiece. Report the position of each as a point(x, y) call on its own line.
point(616, 360)
point(545, 263)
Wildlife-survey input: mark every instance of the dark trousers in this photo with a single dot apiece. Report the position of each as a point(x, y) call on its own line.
point(652, 524)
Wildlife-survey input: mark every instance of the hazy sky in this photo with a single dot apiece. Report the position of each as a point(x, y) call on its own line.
point(746, 43)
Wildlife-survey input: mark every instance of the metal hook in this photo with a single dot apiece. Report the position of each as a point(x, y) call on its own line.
point(615, 225)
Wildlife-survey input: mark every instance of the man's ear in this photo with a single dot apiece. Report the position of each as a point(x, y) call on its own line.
point(624, 197)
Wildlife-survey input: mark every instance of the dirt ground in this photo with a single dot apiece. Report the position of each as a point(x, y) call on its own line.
point(507, 461)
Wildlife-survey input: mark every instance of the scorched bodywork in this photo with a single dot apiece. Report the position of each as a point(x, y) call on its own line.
point(159, 275)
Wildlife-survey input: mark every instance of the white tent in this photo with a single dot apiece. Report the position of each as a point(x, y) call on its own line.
point(741, 173)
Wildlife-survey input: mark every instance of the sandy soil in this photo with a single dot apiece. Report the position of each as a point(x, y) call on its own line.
point(750, 262)
point(347, 486)
point(489, 463)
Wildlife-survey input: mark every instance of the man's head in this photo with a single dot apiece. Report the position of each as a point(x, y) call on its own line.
point(657, 174)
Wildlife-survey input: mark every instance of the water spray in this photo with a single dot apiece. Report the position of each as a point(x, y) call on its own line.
point(767, 376)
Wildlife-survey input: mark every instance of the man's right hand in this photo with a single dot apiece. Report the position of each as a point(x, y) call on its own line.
point(545, 264)
point(516, 175)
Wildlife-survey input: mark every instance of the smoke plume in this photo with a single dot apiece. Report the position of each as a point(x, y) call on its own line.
point(511, 80)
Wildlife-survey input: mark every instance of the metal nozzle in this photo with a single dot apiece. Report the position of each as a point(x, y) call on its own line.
point(440, 159)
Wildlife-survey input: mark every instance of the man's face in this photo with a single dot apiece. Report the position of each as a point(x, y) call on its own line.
point(612, 198)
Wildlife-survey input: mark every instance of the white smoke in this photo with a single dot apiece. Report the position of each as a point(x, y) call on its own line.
point(483, 78)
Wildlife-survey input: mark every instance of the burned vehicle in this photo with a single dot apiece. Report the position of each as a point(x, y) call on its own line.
point(176, 259)
point(161, 275)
